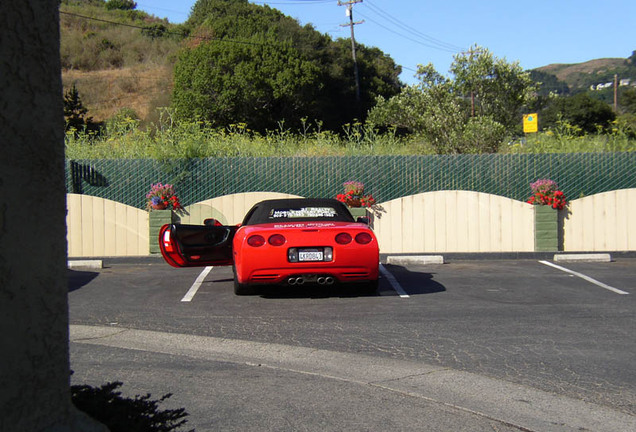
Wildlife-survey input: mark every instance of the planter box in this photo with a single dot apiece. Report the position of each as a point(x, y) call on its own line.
point(157, 219)
point(547, 229)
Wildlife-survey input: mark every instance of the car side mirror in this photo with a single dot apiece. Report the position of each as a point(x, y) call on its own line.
point(363, 219)
point(212, 222)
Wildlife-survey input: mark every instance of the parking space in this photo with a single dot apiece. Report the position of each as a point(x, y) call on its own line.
point(521, 321)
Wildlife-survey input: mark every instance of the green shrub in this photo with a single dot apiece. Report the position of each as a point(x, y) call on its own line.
point(121, 4)
point(483, 135)
point(582, 111)
point(627, 124)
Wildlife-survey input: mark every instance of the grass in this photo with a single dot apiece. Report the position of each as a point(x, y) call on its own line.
point(115, 67)
point(123, 138)
point(567, 139)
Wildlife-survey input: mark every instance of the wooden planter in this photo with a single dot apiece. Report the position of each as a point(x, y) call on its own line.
point(357, 212)
point(547, 229)
point(157, 219)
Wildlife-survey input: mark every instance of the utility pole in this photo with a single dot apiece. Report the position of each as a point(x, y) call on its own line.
point(349, 5)
point(470, 52)
point(616, 93)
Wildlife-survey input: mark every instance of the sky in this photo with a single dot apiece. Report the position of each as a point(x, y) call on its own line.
point(534, 33)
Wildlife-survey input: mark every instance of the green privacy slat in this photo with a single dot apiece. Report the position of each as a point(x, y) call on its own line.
point(386, 177)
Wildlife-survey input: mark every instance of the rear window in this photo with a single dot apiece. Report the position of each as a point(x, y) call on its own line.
point(298, 210)
point(303, 212)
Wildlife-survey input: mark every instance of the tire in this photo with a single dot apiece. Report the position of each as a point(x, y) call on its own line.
point(242, 289)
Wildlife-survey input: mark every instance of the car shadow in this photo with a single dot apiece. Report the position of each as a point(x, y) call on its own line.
point(77, 279)
point(415, 282)
point(412, 282)
point(314, 291)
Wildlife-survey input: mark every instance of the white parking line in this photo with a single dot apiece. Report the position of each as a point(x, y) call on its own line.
point(394, 283)
point(196, 285)
point(584, 277)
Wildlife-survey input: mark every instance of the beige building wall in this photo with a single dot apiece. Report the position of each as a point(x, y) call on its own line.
point(101, 227)
point(602, 222)
point(454, 221)
point(228, 209)
point(442, 221)
point(98, 227)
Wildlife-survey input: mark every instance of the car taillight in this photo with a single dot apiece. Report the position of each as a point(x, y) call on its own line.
point(167, 242)
point(256, 240)
point(276, 240)
point(343, 238)
point(363, 238)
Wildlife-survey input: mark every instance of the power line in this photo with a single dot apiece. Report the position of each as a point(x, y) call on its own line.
point(407, 37)
point(431, 41)
point(293, 2)
point(408, 68)
point(206, 38)
point(146, 7)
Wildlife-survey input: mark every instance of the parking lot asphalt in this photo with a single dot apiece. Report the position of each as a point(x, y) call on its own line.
point(505, 344)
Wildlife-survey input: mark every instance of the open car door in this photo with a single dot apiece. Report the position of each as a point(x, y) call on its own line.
point(196, 245)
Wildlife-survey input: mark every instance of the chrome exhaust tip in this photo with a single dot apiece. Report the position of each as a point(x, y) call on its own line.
point(329, 280)
point(300, 281)
point(292, 281)
point(322, 280)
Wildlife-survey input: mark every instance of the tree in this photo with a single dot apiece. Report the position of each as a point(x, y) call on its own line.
point(431, 109)
point(74, 110)
point(437, 110)
point(121, 4)
point(548, 84)
point(283, 71)
point(581, 110)
point(627, 100)
point(255, 82)
point(499, 89)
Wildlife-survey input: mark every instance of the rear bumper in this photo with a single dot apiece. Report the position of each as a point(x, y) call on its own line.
point(310, 274)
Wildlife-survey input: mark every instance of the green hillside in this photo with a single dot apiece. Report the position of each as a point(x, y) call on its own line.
point(117, 58)
point(126, 59)
point(582, 76)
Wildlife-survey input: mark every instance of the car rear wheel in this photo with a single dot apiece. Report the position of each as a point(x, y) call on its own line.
point(242, 289)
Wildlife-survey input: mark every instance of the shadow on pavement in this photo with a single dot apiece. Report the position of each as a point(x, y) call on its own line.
point(315, 291)
point(415, 282)
point(412, 282)
point(77, 279)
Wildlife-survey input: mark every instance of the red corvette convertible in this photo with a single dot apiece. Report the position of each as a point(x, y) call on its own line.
point(284, 241)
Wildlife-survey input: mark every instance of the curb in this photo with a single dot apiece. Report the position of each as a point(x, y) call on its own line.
point(387, 258)
point(85, 264)
point(602, 257)
point(415, 259)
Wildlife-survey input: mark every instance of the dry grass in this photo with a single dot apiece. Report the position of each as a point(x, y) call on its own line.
point(105, 92)
point(116, 66)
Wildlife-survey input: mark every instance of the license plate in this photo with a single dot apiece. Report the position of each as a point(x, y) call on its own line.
point(309, 255)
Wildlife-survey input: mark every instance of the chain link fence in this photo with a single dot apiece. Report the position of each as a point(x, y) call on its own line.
point(386, 177)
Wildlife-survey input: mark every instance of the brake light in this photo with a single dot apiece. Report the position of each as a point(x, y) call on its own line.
point(256, 240)
point(363, 238)
point(170, 248)
point(167, 243)
point(276, 240)
point(343, 238)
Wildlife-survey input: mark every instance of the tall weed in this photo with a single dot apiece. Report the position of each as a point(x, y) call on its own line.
point(566, 138)
point(123, 138)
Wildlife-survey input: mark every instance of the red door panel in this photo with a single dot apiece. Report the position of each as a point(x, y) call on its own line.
point(196, 245)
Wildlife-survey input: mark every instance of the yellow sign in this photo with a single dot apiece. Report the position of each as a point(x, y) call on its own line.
point(530, 123)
